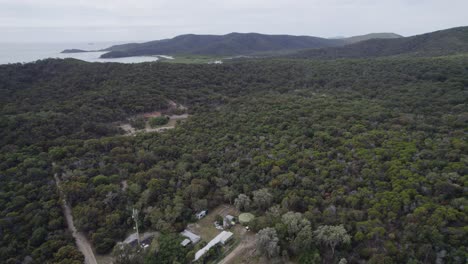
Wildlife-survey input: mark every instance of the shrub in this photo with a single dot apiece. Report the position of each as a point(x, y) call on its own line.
point(158, 121)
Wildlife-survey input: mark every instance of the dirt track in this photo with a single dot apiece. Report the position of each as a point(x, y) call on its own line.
point(82, 243)
point(131, 131)
point(246, 247)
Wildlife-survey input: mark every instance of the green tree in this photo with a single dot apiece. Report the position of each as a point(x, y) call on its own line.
point(262, 198)
point(242, 202)
point(332, 236)
point(127, 254)
point(267, 242)
point(158, 121)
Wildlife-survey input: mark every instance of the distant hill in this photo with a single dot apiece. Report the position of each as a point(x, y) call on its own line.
point(357, 39)
point(230, 44)
point(444, 42)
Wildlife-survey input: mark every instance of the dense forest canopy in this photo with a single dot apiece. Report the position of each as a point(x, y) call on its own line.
point(373, 149)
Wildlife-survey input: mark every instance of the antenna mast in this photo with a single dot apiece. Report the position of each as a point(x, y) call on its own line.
point(135, 218)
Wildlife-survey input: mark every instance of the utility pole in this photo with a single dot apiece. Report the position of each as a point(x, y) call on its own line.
point(135, 218)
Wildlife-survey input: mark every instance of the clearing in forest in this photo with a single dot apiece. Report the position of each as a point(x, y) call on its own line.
point(175, 113)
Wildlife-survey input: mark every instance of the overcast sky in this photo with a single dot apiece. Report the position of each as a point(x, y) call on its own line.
point(139, 20)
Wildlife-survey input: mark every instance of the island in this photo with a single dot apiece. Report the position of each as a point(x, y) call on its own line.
point(74, 51)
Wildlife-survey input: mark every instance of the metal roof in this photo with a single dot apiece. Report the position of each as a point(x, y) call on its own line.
point(194, 238)
point(221, 237)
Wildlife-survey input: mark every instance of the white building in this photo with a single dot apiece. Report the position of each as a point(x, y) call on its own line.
point(222, 238)
point(201, 214)
point(229, 221)
point(191, 237)
point(185, 242)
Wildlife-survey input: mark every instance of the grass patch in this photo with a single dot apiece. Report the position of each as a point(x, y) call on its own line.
point(205, 227)
point(191, 59)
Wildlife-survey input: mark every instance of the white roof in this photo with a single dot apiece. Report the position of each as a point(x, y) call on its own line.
point(225, 237)
point(194, 238)
point(185, 242)
point(229, 217)
point(221, 237)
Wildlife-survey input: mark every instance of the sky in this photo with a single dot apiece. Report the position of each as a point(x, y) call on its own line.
point(142, 20)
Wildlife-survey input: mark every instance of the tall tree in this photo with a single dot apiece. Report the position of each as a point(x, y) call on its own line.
point(242, 202)
point(332, 236)
point(267, 242)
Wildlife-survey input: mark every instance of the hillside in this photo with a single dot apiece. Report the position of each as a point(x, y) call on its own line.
point(230, 44)
point(444, 42)
point(356, 39)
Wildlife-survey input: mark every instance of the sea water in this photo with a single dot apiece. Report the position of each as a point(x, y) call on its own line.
point(30, 52)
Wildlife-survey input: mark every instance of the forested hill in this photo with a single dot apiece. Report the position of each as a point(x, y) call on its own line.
point(373, 148)
point(232, 44)
point(356, 39)
point(444, 42)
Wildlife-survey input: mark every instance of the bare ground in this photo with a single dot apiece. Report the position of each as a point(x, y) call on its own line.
point(245, 252)
point(81, 241)
point(131, 131)
point(205, 227)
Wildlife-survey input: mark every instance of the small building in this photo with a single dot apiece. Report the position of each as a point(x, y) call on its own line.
point(191, 236)
point(201, 214)
point(222, 238)
point(229, 221)
point(185, 242)
point(225, 237)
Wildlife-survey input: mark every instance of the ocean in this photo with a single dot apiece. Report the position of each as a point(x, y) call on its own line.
point(30, 52)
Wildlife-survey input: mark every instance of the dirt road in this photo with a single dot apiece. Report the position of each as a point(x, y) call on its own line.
point(244, 251)
point(241, 250)
point(83, 244)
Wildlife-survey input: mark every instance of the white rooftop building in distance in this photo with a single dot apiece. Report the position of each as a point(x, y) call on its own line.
point(225, 237)
point(201, 214)
point(228, 221)
point(185, 242)
point(194, 238)
point(222, 238)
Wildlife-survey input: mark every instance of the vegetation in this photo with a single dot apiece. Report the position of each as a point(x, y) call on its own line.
point(203, 48)
point(373, 150)
point(158, 121)
point(215, 45)
point(439, 43)
point(332, 236)
point(267, 242)
point(126, 254)
point(167, 250)
point(138, 122)
point(193, 59)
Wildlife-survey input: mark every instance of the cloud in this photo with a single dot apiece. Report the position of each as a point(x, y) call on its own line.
point(168, 18)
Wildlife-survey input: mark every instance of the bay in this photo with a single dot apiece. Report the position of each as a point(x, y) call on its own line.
point(30, 52)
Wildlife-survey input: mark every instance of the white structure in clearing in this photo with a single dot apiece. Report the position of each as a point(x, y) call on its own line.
point(222, 238)
point(201, 214)
point(185, 242)
point(229, 221)
point(191, 237)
